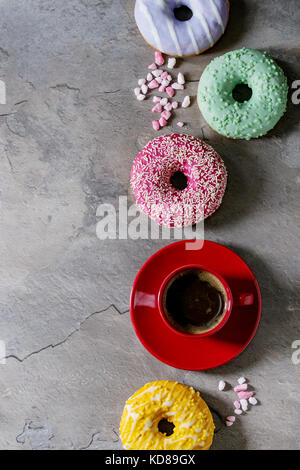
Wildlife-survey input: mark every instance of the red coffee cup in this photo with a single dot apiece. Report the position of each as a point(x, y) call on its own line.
point(242, 299)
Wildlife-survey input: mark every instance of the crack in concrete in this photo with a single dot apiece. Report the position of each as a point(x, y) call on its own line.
point(100, 440)
point(53, 346)
point(60, 86)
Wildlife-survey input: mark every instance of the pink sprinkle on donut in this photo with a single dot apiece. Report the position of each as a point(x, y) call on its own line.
point(170, 91)
point(152, 67)
point(175, 104)
point(156, 125)
point(180, 124)
point(151, 179)
point(164, 75)
point(153, 84)
point(236, 404)
point(159, 60)
point(162, 89)
point(156, 99)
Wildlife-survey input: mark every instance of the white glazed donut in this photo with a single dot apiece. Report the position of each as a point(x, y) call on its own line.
point(202, 23)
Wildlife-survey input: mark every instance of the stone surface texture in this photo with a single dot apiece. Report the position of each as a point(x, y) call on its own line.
point(68, 135)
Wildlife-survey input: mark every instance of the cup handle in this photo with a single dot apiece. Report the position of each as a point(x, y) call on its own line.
point(244, 300)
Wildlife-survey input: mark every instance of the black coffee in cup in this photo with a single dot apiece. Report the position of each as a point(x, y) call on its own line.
point(195, 301)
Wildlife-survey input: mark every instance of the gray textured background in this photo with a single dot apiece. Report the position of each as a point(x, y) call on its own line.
point(68, 135)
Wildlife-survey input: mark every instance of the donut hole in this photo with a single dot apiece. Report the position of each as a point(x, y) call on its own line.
point(183, 13)
point(241, 93)
point(178, 180)
point(166, 427)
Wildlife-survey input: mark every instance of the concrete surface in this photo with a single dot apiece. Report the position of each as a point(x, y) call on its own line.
point(68, 135)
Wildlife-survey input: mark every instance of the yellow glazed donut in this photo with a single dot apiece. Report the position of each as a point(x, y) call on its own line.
point(166, 415)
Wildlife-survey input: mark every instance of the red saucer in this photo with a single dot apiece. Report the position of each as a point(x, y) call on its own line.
point(194, 353)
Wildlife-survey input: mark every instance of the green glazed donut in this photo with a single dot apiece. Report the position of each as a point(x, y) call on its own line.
point(223, 88)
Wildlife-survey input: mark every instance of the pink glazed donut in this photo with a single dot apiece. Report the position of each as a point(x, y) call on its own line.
point(178, 180)
point(181, 28)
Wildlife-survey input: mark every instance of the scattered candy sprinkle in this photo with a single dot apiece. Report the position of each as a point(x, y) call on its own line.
point(164, 101)
point(176, 86)
point(244, 404)
point(245, 395)
point(157, 108)
point(186, 102)
point(229, 423)
point(221, 385)
point(230, 418)
point(156, 125)
point(181, 79)
point(163, 122)
point(253, 401)
point(153, 84)
point(240, 388)
point(170, 91)
point(157, 73)
point(166, 115)
point(171, 63)
point(158, 78)
point(159, 60)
